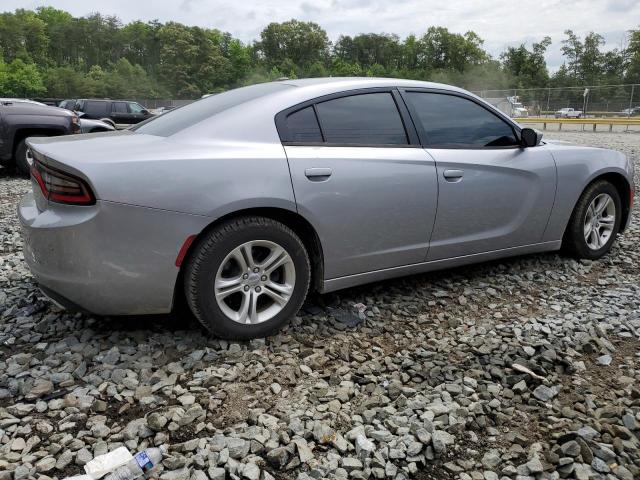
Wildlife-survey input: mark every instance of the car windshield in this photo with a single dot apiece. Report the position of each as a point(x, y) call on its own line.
point(177, 120)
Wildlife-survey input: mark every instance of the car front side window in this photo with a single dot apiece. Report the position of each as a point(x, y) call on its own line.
point(136, 107)
point(451, 121)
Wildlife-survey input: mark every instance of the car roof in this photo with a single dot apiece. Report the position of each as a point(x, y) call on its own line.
point(257, 114)
point(105, 100)
point(349, 83)
point(21, 100)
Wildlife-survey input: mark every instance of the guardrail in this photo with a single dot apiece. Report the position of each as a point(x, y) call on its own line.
point(611, 121)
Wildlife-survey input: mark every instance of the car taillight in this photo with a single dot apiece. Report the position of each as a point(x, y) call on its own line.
point(61, 187)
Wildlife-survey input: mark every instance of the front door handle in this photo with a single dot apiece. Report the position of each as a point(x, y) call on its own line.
point(317, 174)
point(453, 175)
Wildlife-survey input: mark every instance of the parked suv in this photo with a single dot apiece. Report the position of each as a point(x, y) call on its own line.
point(20, 119)
point(119, 113)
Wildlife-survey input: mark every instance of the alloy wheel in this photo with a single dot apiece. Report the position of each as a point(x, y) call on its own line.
point(255, 282)
point(599, 221)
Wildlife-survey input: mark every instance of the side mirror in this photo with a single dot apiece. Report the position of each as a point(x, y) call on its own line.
point(530, 137)
point(145, 112)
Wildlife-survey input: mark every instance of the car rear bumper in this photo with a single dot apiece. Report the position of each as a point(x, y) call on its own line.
point(108, 258)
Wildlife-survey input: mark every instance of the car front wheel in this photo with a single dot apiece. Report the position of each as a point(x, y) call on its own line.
point(595, 221)
point(247, 277)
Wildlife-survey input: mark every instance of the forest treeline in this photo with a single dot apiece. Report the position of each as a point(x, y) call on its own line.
point(50, 53)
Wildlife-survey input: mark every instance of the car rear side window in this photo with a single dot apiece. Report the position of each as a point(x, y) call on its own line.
point(303, 126)
point(120, 107)
point(364, 119)
point(96, 108)
point(449, 121)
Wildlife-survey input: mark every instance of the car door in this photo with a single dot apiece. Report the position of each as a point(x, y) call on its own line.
point(96, 109)
point(493, 194)
point(120, 113)
point(137, 113)
point(361, 178)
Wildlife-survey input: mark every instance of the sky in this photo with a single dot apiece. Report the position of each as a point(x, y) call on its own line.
point(501, 23)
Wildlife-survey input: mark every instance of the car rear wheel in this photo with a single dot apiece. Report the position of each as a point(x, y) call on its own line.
point(247, 277)
point(595, 221)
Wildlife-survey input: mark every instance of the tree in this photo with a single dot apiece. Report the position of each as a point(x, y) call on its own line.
point(592, 59)
point(97, 55)
point(527, 67)
point(303, 43)
point(572, 48)
point(440, 49)
point(22, 35)
point(21, 80)
point(370, 49)
point(632, 58)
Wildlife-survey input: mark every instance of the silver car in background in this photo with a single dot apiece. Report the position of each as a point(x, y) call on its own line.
point(243, 201)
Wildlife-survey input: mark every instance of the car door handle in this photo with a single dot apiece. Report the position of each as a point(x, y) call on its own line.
point(317, 174)
point(453, 175)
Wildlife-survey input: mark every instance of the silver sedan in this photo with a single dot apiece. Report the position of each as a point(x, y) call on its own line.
point(242, 202)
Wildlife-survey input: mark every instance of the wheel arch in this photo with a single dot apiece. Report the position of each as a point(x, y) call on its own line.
point(623, 187)
point(621, 184)
point(296, 222)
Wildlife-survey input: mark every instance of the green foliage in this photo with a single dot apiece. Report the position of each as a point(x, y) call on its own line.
point(303, 43)
point(527, 67)
point(20, 79)
point(50, 52)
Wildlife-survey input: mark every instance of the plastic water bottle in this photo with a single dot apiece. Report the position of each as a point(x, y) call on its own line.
point(140, 464)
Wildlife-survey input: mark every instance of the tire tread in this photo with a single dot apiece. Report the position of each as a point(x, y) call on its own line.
point(573, 242)
point(214, 237)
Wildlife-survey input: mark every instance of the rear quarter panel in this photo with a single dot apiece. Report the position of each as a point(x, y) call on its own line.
point(577, 167)
point(209, 177)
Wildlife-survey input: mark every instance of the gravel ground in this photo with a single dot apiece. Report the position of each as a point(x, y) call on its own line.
point(527, 368)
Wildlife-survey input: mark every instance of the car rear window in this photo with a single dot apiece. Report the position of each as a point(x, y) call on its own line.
point(366, 119)
point(177, 120)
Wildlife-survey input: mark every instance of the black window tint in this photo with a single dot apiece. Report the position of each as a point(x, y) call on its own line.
point(120, 107)
point(96, 108)
point(449, 121)
point(303, 126)
point(367, 119)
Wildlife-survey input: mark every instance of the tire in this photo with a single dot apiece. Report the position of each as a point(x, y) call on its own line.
point(22, 165)
point(575, 241)
point(109, 121)
point(221, 256)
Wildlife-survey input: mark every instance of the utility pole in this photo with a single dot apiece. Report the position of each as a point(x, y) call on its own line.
point(548, 98)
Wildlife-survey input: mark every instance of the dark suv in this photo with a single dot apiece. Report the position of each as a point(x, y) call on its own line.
point(20, 119)
point(119, 113)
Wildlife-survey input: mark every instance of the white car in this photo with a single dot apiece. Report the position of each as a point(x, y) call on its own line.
point(568, 113)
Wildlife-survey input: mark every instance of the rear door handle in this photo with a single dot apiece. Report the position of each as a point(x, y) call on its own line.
point(317, 174)
point(453, 175)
